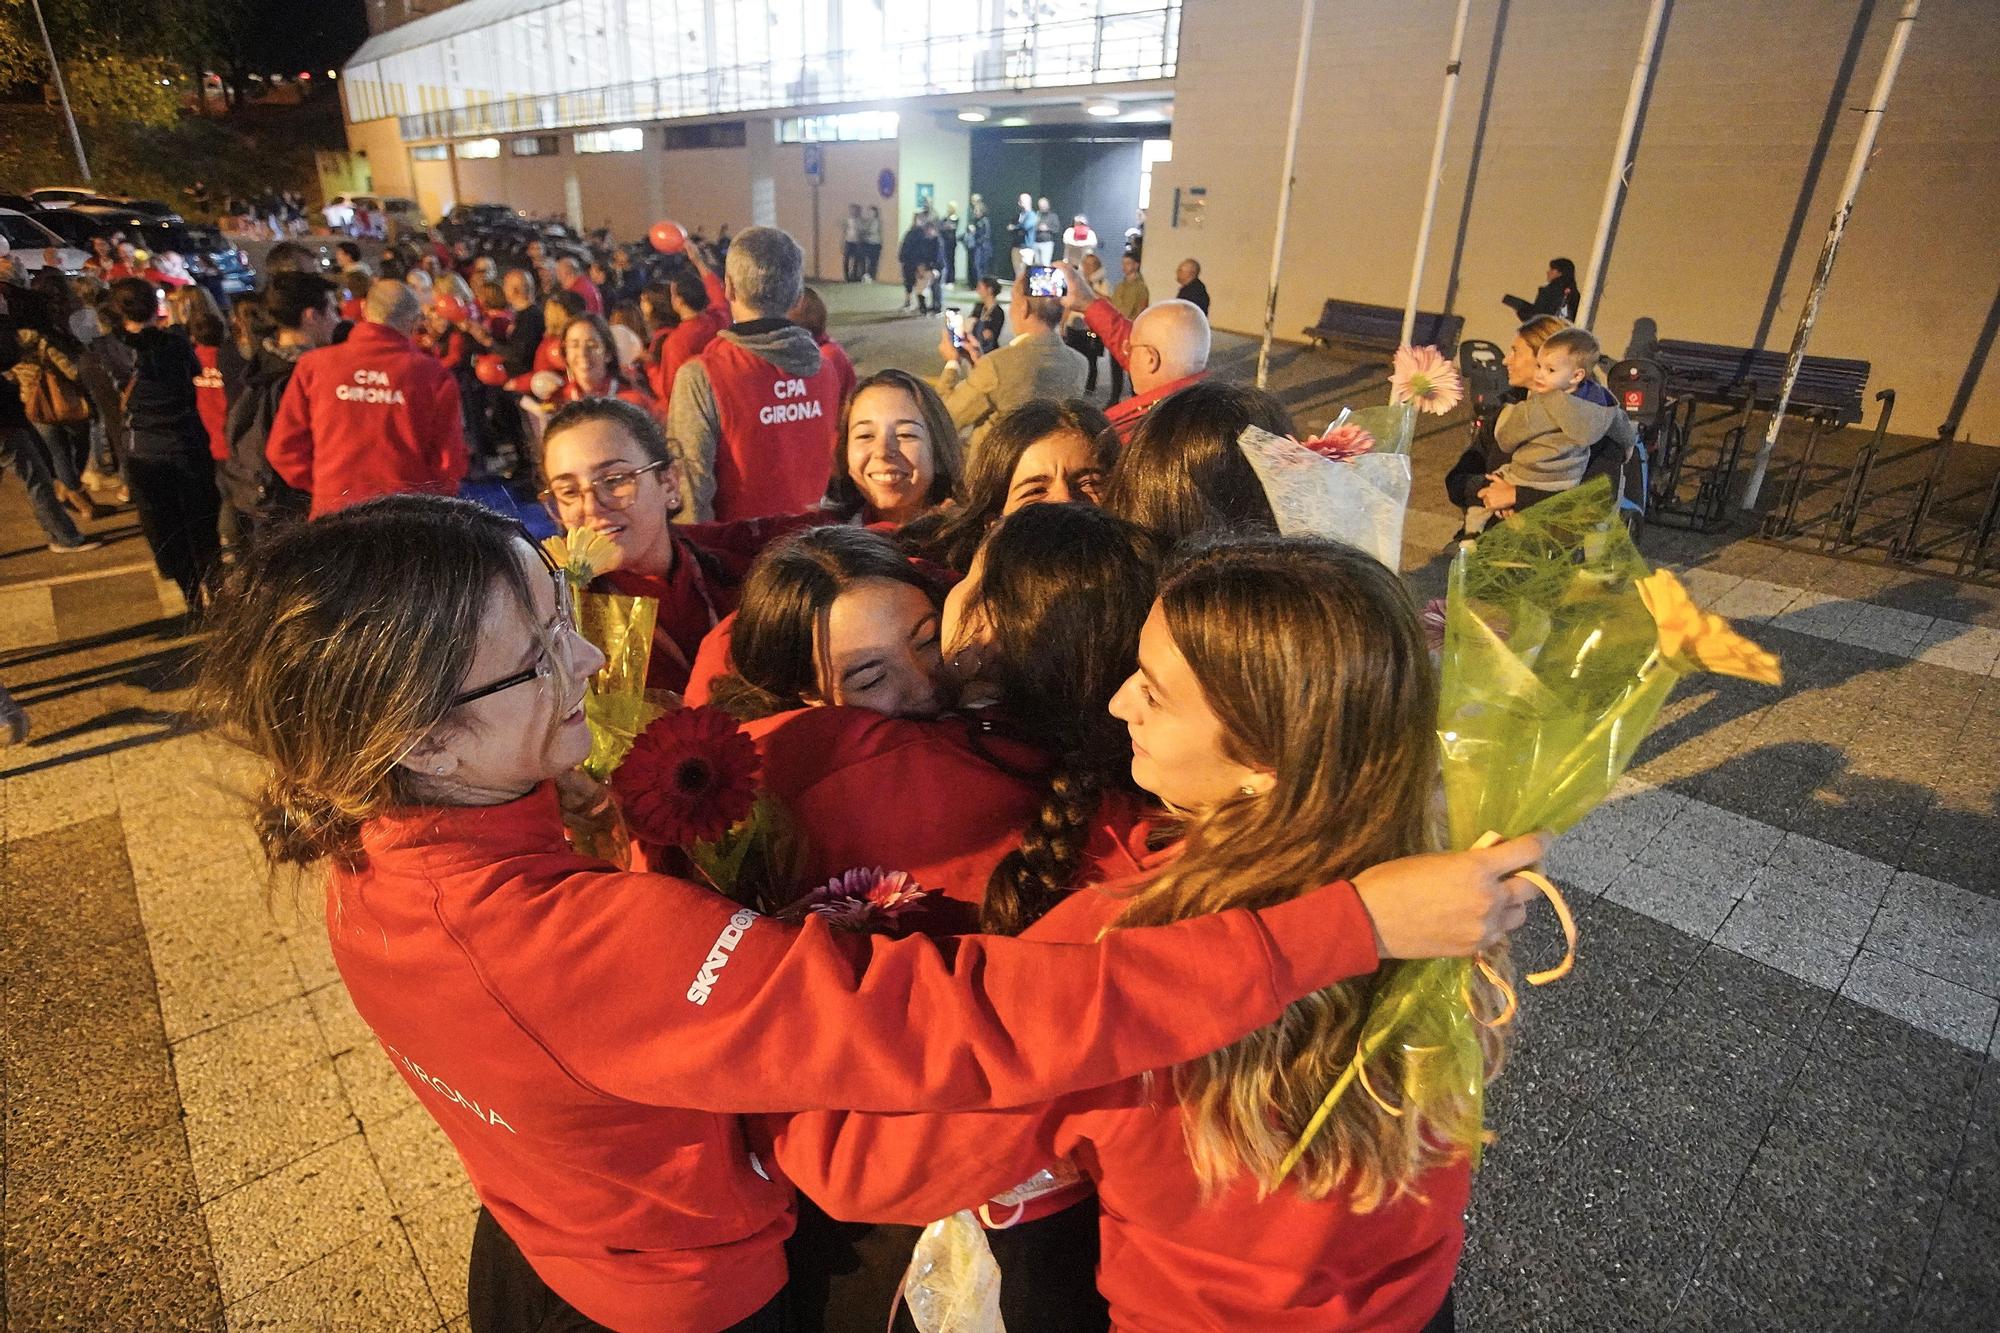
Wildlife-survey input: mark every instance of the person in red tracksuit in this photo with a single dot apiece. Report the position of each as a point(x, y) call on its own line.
point(753, 418)
point(606, 466)
point(701, 316)
point(587, 1037)
point(372, 416)
point(570, 274)
point(1253, 657)
point(1006, 810)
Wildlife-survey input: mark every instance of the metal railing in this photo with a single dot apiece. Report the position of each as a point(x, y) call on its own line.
point(1113, 48)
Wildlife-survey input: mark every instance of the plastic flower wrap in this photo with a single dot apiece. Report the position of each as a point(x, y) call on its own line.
point(621, 627)
point(1559, 651)
point(688, 790)
point(1335, 486)
point(953, 1283)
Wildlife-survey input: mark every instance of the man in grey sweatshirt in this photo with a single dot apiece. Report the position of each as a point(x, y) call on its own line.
point(753, 418)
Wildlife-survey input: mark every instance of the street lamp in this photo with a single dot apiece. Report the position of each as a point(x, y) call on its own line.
point(62, 91)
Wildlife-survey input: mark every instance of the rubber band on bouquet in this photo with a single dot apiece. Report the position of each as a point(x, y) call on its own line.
point(1357, 1068)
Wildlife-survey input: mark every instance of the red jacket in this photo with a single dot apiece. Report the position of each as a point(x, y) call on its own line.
point(371, 416)
point(843, 366)
point(593, 300)
point(776, 432)
point(1171, 1261)
point(586, 1037)
point(683, 343)
point(1109, 324)
point(211, 401)
point(710, 560)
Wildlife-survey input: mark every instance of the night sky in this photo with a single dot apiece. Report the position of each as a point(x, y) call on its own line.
point(315, 35)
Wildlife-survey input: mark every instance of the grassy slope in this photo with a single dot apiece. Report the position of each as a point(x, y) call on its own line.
point(245, 154)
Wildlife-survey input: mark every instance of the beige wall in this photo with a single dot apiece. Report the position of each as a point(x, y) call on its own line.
point(1723, 157)
point(851, 170)
point(388, 160)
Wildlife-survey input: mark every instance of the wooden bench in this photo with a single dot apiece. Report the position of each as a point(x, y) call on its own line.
point(1380, 327)
point(1828, 387)
point(1741, 381)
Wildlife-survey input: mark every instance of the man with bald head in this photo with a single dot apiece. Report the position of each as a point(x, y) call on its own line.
point(374, 415)
point(1164, 350)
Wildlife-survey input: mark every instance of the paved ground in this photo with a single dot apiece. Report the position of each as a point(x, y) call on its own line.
point(1766, 1099)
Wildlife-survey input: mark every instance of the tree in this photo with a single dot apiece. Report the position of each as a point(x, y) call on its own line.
point(110, 76)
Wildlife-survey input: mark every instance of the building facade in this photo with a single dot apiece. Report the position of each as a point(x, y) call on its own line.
point(620, 112)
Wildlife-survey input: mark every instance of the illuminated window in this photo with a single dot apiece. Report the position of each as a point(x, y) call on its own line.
point(611, 141)
point(847, 127)
point(542, 145)
point(479, 148)
point(430, 152)
point(1151, 153)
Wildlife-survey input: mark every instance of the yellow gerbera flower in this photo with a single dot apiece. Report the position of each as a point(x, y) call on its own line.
point(1702, 640)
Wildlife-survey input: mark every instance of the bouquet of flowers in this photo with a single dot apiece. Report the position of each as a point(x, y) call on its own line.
point(1559, 651)
point(1352, 482)
point(688, 788)
point(622, 629)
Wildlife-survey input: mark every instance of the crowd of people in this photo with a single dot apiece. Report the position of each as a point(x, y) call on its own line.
point(1165, 777)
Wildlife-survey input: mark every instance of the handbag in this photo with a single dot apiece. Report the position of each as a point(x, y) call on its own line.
point(56, 399)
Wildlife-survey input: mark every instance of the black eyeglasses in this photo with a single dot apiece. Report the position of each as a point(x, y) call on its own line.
point(614, 490)
point(543, 667)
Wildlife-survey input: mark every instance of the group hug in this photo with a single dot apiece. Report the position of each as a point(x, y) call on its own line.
point(1163, 784)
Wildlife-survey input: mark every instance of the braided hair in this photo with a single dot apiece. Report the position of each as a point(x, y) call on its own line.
point(1064, 589)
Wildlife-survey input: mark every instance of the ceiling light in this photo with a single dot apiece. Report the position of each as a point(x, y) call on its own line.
point(1013, 120)
point(972, 114)
point(1101, 108)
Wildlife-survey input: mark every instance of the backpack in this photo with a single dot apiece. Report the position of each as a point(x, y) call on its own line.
point(56, 399)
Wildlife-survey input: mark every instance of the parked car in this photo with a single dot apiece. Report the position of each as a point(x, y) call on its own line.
point(29, 244)
point(214, 262)
point(62, 196)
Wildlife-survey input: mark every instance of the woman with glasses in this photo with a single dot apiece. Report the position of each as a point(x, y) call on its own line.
point(591, 362)
point(606, 467)
point(406, 674)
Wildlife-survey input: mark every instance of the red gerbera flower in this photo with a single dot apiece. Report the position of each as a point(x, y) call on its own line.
point(690, 775)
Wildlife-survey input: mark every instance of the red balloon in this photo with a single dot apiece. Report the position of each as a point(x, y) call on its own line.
point(450, 309)
point(669, 238)
point(490, 370)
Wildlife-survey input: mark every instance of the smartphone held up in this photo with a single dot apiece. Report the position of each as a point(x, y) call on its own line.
point(1047, 280)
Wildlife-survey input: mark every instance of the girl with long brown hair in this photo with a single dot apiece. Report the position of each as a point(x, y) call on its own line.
point(407, 671)
point(1284, 706)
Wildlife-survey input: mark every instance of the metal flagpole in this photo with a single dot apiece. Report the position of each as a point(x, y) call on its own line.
point(1285, 189)
point(1437, 170)
point(1621, 165)
point(1864, 148)
point(62, 91)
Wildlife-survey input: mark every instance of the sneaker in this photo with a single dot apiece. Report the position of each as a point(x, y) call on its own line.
point(87, 544)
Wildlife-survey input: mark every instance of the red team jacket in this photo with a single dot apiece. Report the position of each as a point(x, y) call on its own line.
point(371, 416)
point(1171, 1261)
point(211, 400)
point(683, 343)
point(777, 431)
point(587, 1037)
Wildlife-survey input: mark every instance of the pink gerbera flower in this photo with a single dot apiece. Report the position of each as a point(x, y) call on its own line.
point(1344, 441)
point(1423, 376)
point(871, 901)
